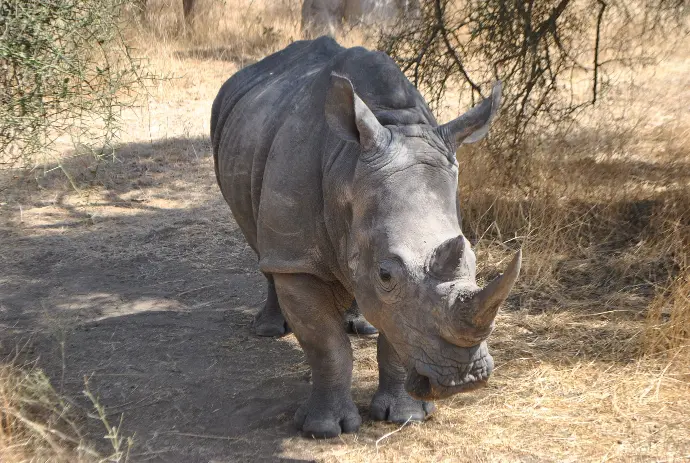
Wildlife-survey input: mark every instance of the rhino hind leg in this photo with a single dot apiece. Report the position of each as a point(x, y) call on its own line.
point(355, 323)
point(311, 307)
point(270, 321)
point(391, 402)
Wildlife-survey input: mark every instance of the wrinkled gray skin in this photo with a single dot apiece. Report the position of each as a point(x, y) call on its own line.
point(345, 185)
point(324, 17)
point(270, 321)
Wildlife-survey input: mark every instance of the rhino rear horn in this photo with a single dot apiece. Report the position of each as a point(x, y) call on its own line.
point(446, 259)
point(350, 118)
point(474, 124)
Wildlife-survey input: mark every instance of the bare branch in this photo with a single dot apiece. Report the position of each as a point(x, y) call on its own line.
point(534, 47)
point(451, 50)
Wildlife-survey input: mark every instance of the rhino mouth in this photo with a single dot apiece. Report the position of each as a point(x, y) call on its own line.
point(422, 388)
point(427, 382)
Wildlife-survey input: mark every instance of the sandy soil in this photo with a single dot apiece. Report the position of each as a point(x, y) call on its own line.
point(144, 284)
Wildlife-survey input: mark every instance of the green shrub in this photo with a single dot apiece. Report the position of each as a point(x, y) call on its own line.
point(66, 71)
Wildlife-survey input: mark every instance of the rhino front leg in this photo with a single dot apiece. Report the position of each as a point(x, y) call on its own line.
point(311, 307)
point(391, 402)
point(270, 321)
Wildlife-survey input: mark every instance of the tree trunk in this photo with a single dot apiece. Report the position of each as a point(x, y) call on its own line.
point(140, 5)
point(188, 11)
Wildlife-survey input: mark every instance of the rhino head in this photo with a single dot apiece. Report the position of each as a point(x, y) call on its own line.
point(413, 271)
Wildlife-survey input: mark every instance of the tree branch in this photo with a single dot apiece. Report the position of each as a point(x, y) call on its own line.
point(451, 50)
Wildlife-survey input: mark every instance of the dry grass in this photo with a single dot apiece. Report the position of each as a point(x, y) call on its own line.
point(593, 349)
point(668, 329)
point(36, 424)
point(238, 31)
point(566, 389)
point(604, 218)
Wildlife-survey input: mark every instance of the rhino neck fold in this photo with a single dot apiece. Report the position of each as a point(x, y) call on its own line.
point(338, 193)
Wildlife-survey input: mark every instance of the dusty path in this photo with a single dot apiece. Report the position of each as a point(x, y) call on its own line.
point(143, 283)
point(154, 303)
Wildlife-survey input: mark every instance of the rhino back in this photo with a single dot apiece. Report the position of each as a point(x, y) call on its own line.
point(247, 112)
point(273, 149)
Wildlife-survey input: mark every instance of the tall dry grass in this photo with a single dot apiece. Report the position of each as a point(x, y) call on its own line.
point(241, 31)
point(36, 424)
point(600, 230)
point(237, 31)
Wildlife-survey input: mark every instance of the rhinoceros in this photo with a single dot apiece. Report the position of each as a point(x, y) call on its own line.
point(346, 187)
point(325, 16)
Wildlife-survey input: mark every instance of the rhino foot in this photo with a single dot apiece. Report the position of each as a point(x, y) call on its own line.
point(399, 408)
point(359, 325)
point(327, 417)
point(355, 323)
point(270, 322)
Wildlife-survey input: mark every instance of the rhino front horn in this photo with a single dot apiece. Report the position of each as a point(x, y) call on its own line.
point(489, 299)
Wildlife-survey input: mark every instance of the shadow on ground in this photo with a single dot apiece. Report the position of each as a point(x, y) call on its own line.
point(153, 304)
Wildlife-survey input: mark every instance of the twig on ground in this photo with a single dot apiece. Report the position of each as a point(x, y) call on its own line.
point(194, 289)
point(202, 436)
point(386, 436)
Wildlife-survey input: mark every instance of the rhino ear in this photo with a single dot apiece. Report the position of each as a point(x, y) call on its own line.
point(350, 118)
point(474, 124)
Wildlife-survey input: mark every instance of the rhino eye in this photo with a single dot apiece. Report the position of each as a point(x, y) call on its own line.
point(385, 275)
point(386, 280)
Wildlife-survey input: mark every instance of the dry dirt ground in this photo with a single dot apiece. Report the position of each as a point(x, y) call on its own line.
point(142, 283)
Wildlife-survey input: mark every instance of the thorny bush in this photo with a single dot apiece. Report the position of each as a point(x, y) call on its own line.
point(65, 70)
